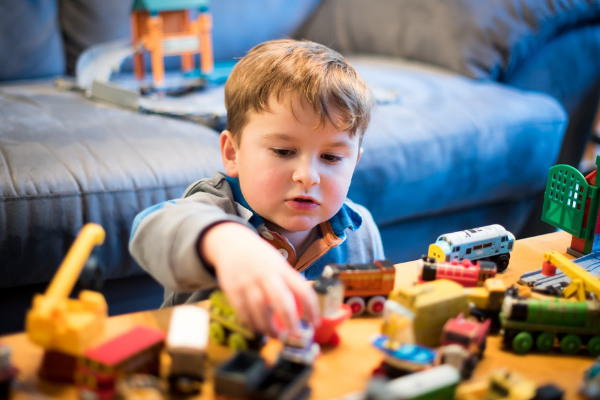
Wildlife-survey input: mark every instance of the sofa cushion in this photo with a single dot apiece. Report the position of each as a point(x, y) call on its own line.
point(65, 161)
point(445, 142)
point(481, 39)
point(30, 41)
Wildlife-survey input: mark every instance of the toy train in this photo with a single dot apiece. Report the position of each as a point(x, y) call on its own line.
point(491, 242)
point(529, 322)
point(136, 351)
point(366, 285)
point(437, 383)
point(186, 344)
point(467, 273)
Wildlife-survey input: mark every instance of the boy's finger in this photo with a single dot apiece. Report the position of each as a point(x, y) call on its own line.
point(306, 296)
point(240, 306)
point(258, 309)
point(283, 303)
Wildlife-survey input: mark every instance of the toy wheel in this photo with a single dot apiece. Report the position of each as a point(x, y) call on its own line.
point(237, 342)
point(216, 333)
point(593, 346)
point(482, 348)
point(502, 262)
point(522, 343)
point(570, 344)
point(356, 304)
point(375, 305)
point(545, 342)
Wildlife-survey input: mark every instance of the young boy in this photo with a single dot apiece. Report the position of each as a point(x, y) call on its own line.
point(296, 113)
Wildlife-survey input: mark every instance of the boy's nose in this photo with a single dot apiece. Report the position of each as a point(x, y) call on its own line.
point(307, 174)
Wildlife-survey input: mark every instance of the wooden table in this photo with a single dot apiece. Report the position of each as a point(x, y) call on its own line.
point(348, 367)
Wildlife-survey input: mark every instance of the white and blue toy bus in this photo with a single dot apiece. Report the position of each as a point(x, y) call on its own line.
point(491, 242)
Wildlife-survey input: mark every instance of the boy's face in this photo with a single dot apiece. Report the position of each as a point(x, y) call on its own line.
point(292, 172)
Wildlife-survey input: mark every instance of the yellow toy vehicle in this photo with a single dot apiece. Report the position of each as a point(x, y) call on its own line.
point(58, 323)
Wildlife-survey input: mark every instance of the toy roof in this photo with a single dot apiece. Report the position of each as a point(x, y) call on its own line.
point(122, 347)
point(169, 5)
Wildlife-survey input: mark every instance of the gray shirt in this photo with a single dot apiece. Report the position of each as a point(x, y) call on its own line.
point(164, 238)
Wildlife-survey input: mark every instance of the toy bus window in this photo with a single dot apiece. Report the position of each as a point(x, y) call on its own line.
point(445, 239)
point(468, 251)
point(457, 248)
point(503, 239)
point(478, 247)
point(485, 246)
point(510, 245)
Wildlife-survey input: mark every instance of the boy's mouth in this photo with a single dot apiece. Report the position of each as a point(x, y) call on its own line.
point(302, 203)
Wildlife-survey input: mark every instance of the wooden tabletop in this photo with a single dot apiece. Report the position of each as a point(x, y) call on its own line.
point(347, 367)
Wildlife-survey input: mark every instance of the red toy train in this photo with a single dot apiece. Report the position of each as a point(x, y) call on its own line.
point(466, 273)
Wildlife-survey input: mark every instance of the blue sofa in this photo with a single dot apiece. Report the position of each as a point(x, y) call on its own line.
point(467, 125)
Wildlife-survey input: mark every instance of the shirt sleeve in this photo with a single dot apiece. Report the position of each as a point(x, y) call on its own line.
point(164, 241)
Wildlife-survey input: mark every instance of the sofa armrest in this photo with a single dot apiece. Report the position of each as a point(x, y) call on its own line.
point(481, 39)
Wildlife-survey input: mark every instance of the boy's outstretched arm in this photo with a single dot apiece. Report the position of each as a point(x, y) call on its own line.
point(182, 243)
point(256, 278)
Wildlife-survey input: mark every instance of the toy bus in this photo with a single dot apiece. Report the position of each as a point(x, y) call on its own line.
point(366, 285)
point(491, 242)
point(540, 322)
point(136, 351)
point(186, 344)
point(467, 273)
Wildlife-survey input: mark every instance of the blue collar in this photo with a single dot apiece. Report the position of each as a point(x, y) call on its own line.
point(347, 217)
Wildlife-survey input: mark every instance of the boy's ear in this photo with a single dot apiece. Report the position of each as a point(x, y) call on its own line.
point(229, 150)
point(359, 155)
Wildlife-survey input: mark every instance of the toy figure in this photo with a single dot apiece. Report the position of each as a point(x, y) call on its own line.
point(330, 293)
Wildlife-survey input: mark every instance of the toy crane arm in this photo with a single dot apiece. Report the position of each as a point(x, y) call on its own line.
point(579, 276)
point(63, 282)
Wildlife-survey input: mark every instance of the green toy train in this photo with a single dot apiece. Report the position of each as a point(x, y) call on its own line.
point(529, 322)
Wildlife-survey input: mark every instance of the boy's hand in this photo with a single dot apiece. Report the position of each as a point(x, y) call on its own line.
point(257, 279)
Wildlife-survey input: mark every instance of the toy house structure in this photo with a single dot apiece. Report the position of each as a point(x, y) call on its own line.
point(171, 27)
point(571, 204)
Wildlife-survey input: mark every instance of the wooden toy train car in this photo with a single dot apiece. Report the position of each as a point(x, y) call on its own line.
point(437, 383)
point(186, 344)
point(529, 322)
point(419, 312)
point(467, 273)
point(491, 242)
point(366, 285)
point(136, 351)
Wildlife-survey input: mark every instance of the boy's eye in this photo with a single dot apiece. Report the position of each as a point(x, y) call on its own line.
point(283, 152)
point(330, 158)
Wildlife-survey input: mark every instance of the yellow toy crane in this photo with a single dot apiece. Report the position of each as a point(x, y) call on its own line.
point(58, 323)
point(581, 280)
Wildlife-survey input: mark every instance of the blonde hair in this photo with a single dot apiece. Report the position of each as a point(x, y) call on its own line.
point(321, 77)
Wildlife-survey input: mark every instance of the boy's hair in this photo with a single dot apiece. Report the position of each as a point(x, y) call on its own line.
point(322, 77)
